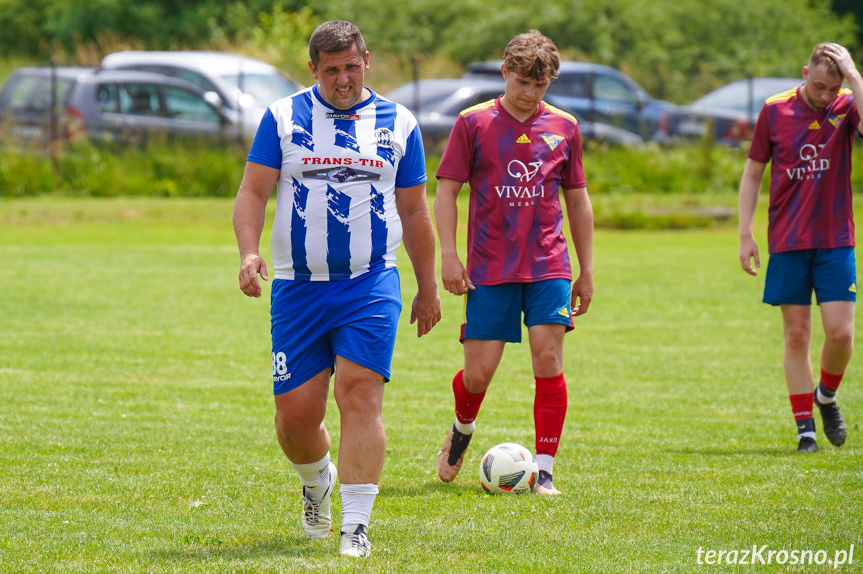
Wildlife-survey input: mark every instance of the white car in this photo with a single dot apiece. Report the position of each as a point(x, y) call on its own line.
point(245, 86)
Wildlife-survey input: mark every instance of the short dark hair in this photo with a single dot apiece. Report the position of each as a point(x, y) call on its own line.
point(819, 57)
point(532, 55)
point(335, 36)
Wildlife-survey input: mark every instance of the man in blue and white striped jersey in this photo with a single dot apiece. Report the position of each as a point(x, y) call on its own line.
point(350, 171)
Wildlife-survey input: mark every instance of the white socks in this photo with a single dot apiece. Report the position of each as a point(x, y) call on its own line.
point(465, 428)
point(357, 499)
point(545, 462)
point(822, 398)
point(357, 503)
point(315, 476)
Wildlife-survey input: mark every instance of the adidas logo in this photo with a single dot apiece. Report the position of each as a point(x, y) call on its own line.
point(563, 312)
point(815, 125)
point(853, 288)
point(523, 139)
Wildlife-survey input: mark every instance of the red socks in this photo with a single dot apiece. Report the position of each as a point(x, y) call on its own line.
point(549, 412)
point(801, 407)
point(466, 404)
point(549, 409)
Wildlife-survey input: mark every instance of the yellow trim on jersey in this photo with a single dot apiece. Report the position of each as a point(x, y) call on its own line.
point(560, 112)
point(464, 309)
point(782, 97)
point(478, 107)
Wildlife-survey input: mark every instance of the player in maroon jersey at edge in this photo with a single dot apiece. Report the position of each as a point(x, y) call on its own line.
point(518, 156)
point(807, 134)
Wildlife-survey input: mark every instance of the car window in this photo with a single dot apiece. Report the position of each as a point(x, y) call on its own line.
point(34, 93)
point(264, 88)
point(107, 99)
point(139, 99)
point(185, 105)
point(197, 79)
point(572, 85)
point(613, 90)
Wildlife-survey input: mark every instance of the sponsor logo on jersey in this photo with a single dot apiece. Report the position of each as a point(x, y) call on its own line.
point(521, 195)
point(342, 116)
point(815, 125)
point(362, 162)
point(813, 166)
point(519, 170)
point(836, 120)
point(522, 139)
point(552, 140)
point(342, 174)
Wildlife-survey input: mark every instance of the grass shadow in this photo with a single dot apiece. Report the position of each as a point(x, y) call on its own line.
point(775, 452)
point(273, 547)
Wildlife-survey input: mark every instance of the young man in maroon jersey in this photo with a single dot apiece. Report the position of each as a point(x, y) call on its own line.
point(517, 154)
point(807, 134)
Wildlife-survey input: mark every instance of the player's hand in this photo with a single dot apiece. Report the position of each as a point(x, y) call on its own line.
point(252, 266)
point(748, 255)
point(425, 311)
point(843, 59)
point(582, 294)
point(454, 276)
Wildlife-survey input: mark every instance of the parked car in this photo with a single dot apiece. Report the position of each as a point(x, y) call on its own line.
point(115, 106)
point(728, 113)
point(601, 94)
point(437, 103)
point(245, 86)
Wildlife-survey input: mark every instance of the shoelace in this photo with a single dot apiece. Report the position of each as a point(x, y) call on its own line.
point(311, 510)
point(360, 542)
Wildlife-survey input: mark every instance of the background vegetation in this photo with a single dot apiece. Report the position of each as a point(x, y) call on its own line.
point(676, 50)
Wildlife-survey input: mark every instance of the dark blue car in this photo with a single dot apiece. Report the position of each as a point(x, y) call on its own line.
point(601, 94)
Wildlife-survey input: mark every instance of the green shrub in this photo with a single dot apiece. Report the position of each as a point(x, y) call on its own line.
point(83, 169)
point(645, 188)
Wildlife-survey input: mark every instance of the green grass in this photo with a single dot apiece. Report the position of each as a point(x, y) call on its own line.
point(136, 415)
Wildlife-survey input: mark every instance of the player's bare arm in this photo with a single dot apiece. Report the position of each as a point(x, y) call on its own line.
point(849, 71)
point(579, 213)
point(750, 187)
point(453, 273)
point(419, 241)
point(249, 214)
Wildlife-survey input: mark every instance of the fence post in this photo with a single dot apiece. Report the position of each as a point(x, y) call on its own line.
point(750, 126)
point(52, 123)
point(415, 72)
point(241, 80)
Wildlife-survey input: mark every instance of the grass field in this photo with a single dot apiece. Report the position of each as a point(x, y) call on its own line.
point(136, 416)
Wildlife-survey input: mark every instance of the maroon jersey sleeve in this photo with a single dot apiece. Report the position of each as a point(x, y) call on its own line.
point(761, 149)
point(573, 173)
point(457, 155)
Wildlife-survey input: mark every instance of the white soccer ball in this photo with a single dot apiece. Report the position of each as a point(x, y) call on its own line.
point(508, 468)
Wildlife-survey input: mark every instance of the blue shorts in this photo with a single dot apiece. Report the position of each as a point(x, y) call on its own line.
point(793, 275)
point(313, 321)
point(493, 312)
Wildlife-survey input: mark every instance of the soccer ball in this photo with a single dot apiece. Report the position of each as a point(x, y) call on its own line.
point(508, 468)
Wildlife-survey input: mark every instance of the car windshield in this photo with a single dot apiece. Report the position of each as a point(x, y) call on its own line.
point(264, 89)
